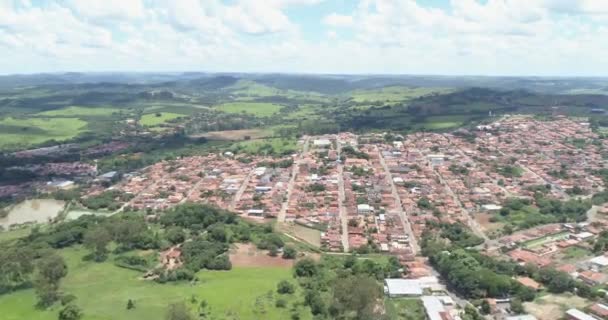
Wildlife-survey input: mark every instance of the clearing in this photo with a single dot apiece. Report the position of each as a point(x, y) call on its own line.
point(405, 309)
point(258, 109)
point(247, 255)
point(102, 291)
point(154, 119)
point(551, 306)
point(266, 146)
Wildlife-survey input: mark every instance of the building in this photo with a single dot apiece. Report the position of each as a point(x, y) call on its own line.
point(364, 209)
point(575, 314)
point(600, 310)
point(321, 143)
point(435, 308)
point(521, 317)
point(412, 287)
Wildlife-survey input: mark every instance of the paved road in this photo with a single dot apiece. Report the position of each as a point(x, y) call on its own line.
point(294, 172)
point(475, 227)
point(239, 193)
point(402, 214)
point(341, 200)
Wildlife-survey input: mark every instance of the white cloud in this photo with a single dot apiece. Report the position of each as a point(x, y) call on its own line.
point(338, 20)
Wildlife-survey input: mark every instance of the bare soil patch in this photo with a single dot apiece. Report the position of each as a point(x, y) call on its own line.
point(551, 307)
point(483, 219)
point(247, 255)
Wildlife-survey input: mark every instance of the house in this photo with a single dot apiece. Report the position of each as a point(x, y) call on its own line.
point(321, 143)
point(598, 263)
point(575, 314)
point(600, 310)
point(521, 317)
point(529, 282)
point(593, 278)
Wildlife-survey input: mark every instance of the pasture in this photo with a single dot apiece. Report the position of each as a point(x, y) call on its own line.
point(273, 146)
point(76, 111)
point(102, 291)
point(18, 132)
point(257, 109)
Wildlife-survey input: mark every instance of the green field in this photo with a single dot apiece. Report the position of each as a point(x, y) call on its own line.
point(405, 309)
point(75, 111)
point(393, 94)
point(102, 291)
point(154, 119)
point(254, 108)
point(32, 131)
point(443, 122)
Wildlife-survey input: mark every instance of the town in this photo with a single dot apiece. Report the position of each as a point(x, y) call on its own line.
point(530, 190)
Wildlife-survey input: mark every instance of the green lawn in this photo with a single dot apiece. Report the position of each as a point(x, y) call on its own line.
point(154, 119)
point(102, 291)
point(32, 131)
point(405, 309)
point(75, 111)
point(255, 108)
point(575, 253)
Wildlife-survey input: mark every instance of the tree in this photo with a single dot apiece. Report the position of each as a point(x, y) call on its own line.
point(70, 312)
point(358, 295)
point(485, 307)
point(517, 307)
point(130, 304)
point(51, 269)
point(273, 251)
point(289, 252)
point(176, 235)
point(285, 287)
point(305, 268)
point(178, 311)
point(97, 240)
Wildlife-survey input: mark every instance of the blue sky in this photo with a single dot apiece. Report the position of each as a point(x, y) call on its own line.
point(452, 37)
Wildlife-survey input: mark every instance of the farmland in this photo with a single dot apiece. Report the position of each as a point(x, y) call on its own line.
point(76, 111)
point(393, 94)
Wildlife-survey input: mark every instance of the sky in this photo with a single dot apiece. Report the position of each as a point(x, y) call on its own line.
point(444, 37)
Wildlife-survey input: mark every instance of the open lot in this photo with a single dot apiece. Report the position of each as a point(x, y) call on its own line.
point(269, 146)
point(104, 289)
point(550, 307)
point(405, 309)
point(247, 255)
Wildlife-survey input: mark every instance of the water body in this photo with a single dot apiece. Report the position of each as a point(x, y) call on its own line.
point(35, 210)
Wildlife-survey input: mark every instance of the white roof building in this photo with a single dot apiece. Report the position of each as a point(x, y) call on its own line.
point(521, 317)
point(403, 287)
point(579, 315)
point(601, 261)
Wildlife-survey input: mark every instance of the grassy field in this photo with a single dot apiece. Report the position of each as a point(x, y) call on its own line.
point(405, 309)
point(393, 94)
point(540, 241)
point(443, 122)
point(32, 131)
point(75, 111)
point(254, 108)
point(154, 119)
point(103, 290)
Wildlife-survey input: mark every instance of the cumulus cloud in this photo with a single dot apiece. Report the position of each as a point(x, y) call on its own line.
point(393, 36)
point(338, 20)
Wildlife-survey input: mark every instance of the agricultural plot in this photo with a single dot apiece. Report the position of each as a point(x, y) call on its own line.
point(28, 132)
point(103, 289)
point(255, 108)
point(444, 122)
